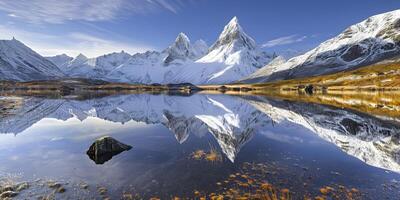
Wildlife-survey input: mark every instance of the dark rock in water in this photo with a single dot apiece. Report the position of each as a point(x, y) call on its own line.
point(245, 89)
point(103, 149)
point(223, 89)
point(183, 86)
point(309, 89)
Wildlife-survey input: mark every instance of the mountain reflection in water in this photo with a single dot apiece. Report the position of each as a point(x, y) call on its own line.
point(232, 121)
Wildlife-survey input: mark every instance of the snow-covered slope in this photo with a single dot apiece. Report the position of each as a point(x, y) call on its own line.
point(84, 67)
point(258, 76)
point(20, 63)
point(80, 67)
point(107, 63)
point(235, 47)
point(60, 60)
point(233, 56)
point(159, 67)
point(369, 41)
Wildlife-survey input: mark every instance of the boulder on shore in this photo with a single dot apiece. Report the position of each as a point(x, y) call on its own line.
point(104, 148)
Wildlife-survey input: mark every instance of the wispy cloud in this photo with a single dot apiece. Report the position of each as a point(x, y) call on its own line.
point(69, 43)
point(56, 12)
point(284, 40)
point(167, 5)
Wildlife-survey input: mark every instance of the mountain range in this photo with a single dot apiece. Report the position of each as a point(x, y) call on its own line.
point(234, 56)
point(370, 41)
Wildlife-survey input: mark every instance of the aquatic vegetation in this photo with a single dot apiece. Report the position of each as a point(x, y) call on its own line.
point(251, 183)
point(337, 192)
point(247, 184)
point(211, 156)
point(198, 154)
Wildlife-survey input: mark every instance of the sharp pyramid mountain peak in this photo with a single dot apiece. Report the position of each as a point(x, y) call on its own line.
point(181, 50)
point(233, 34)
point(182, 37)
point(81, 56)
point(235, 47)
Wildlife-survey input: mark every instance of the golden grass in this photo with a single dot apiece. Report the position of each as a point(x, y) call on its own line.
point(385, 104)
point(373, 77)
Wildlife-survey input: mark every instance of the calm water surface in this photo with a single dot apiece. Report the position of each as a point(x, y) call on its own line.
point(199, 145)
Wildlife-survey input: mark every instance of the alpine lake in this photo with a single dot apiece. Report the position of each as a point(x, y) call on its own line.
point(200, 146)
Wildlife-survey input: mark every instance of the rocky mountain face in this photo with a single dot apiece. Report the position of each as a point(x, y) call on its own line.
point(20, 63)
point(182, 50)
point(367, 42)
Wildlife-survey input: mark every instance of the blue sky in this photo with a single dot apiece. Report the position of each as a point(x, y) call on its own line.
point(96, 27)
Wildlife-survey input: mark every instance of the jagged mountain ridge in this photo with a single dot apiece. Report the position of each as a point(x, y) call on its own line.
point(233, 56)
point(20, 63)
point(367, 42)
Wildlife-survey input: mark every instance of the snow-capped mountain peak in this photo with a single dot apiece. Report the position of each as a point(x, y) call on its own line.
point(80, 58)
point(60, 60)
point(106, 63)
point(179, 50)
point(234, 38)
point(182, 39)
point(19, 62)
point(367, 42)
point(236, 49)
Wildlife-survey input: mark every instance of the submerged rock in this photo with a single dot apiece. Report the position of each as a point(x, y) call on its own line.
point(22, 186)
point(104, 148)
point(8, 194)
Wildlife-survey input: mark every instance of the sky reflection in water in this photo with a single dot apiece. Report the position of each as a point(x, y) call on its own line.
point(48, 138)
